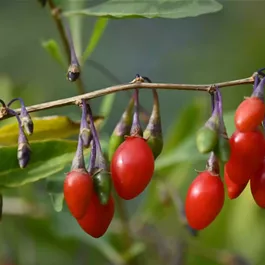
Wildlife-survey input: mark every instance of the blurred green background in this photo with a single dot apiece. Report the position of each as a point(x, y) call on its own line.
point(211, 48)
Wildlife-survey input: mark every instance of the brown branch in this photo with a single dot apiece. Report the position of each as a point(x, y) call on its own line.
point(118, 88)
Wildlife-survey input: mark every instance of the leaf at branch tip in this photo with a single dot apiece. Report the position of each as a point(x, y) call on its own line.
point(52, 47)
point(48, 158)
point(149, 9)
point(97, 33)
point(50, 127)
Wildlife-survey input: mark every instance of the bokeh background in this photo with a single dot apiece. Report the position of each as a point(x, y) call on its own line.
point(211, 48)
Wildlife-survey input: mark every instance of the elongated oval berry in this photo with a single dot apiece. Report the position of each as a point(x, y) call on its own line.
point(249, 114)
point(132, 167)
point(78, 188)
point(257, 186)
point(247, 152)
point(204, 201)
point(233, 189)
point(97, 217)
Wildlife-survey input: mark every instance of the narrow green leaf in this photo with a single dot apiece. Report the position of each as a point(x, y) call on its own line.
point(185, 152)
point(98, 31)
point(135, 250)
point(106, 107)
point(149, 9)
point(57, 201)
point(47, 158)
point(190, 119)
point(52, 47)
point(55, 188)
point(229, 122)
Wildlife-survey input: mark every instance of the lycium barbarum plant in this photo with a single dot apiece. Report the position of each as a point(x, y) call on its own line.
point(132, 151)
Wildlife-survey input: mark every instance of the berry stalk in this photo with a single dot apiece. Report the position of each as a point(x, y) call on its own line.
point(136, 129)
point(26, 120)
point(78, 161)
point(74, 68)
point(84, 128)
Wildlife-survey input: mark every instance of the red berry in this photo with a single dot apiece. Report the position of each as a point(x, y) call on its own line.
point(247, 152)
point(78, 188)
point(132, 167)
point(249, 114)
point(98, 217)
point(233, 189)
point(204, 201)
point(257, 186)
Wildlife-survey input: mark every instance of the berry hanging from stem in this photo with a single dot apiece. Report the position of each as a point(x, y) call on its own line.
point(98, 166)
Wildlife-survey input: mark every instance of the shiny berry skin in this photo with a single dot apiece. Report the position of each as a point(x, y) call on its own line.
point(132, 167)
point(247, 152)
point(233, 189)
point(257, 186)
point(78, 188)
point(98, 217)
point(204, 200)
point(249, 114)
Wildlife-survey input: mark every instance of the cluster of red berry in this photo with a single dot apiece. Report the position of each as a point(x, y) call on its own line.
point(88, 192)
point(244, 160)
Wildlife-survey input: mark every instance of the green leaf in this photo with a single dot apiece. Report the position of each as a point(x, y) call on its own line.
point(98, 31)
point(189, 121)
point(186, 152)
point(149, 9)
point(106, 107)
point(52, 47)
point(229, 122)
point(55, 188)
point(57, 201)
point(47, 158)
point(135, 250)
point(50, 127)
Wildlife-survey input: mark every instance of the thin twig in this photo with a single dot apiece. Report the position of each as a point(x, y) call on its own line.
point(123, 87)
point(56, 14)
point(105, 71)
